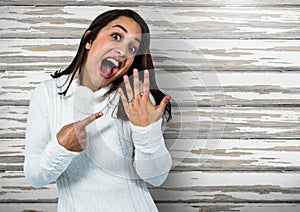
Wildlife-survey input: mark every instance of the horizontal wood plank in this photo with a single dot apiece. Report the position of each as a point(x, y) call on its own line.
point(187, 88)
point(14, 188)
point(168, 54)
point(173, 3)
point(164, 22)
point(12, 154)
point(185, 187)
point(199, 155)
point(28, 207)
point(192, 122)
point(167, 207)
point(231, 67)
point(230, 187)
point(234, 154)
point(194, 207)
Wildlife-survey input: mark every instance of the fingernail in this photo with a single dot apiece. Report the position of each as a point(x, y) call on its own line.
point(99, 114)
point(169, 97)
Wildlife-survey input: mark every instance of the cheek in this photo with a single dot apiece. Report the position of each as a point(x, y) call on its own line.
point(127, 66)
point(129, 61)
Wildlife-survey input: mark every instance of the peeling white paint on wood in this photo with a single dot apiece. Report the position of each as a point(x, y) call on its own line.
point(197, 123)
point(246, 153)
point(235, 154)
point(17, 207)
point(188, 186)
point(169, 54)
point(12, 147)
point(14, 187)
point(187, 88)
point(239, 80)
point(171, 207)
point(246, 54)
point(193, 207)
point(205, 22)
point(174, 3)
point(195, 185)
point(200, 154)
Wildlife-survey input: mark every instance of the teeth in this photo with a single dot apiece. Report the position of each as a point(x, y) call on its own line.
point(113, 61)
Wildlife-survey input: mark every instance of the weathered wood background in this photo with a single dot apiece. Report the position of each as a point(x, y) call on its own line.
point(232, 66)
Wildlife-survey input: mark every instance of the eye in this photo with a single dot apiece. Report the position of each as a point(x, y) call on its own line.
point(116, 36)
point(133, 49)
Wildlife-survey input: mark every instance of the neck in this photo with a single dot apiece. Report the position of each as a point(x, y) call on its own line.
point(84, 80)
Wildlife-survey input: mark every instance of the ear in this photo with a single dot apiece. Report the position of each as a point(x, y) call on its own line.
point(88, 44)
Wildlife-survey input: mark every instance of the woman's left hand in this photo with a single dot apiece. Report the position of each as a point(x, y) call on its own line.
point(139, 108)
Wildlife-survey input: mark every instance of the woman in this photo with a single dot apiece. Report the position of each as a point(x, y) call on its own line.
point(95, 129)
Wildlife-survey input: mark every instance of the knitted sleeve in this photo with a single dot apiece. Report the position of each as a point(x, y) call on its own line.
point(45, 158)
point(152, 160)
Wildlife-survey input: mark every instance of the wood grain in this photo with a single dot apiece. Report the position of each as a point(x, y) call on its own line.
point(221, 22)
point(187, 88)
point(168, 207)
point(187, 187)
point(197, 123)
point(232, 68)
point(260, 155)
point(196, 207)
point(168, 54)
point(161, 3)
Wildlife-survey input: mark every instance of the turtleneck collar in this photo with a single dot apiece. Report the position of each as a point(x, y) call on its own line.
point(85, 100)
point(99, 94)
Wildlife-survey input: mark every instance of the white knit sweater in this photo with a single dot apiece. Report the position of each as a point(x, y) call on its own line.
point(110, 174)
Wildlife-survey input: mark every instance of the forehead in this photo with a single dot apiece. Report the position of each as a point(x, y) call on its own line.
point(131, 26)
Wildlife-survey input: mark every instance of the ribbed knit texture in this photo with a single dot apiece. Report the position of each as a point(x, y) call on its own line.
point(110, 174)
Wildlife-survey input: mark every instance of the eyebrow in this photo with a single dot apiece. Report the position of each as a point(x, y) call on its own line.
point(120, 26)
point(125, 30)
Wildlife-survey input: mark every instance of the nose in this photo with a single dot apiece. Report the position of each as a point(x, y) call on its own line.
point(121, 51)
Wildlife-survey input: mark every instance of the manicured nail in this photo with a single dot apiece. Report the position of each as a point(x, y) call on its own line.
point(98, 115)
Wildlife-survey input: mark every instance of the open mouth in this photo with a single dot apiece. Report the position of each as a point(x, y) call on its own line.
point(109, 67)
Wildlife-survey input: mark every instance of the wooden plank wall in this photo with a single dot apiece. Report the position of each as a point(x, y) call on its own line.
point(233, 69)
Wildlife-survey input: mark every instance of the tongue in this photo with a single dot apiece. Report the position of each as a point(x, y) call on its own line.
point(106, 68)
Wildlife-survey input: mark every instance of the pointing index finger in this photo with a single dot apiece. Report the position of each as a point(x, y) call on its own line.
point(90, 119)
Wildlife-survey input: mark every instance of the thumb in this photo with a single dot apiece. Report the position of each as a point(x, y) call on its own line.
point(161, 107)
point(90, 119)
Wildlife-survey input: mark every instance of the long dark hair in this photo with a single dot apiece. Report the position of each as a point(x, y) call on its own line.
point(142, 60)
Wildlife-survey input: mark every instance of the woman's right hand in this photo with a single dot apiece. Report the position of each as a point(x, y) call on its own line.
point(73, 136)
